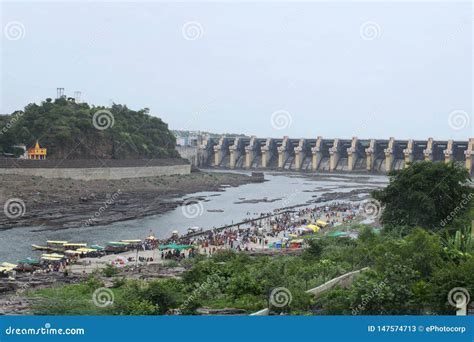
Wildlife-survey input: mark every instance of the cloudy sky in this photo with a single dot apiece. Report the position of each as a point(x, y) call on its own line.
point(336, 69)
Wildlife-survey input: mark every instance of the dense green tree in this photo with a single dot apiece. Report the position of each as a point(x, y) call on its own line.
point(448, 278)
point(74, 130)
point(434, 196)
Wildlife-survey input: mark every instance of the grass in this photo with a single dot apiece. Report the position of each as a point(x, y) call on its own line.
point(73, 300)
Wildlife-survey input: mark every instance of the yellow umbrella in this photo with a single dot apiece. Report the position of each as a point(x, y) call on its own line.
point(313, 227)
point(321, 223)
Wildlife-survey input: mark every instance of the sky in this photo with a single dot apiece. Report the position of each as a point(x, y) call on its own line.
point(274, 68)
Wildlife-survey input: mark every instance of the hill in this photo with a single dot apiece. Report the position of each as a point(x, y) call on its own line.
point(80, 131)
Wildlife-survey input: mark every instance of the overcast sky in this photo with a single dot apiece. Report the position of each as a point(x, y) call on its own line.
point(335, 69)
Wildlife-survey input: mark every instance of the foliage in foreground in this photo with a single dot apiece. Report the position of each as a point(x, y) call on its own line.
point(412, 275)
point(434, 196)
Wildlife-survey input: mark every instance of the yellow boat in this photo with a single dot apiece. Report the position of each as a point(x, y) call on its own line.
point(86, 250)
point(8, 266)
point(72, 252)
point(74, 245)
point(53, 255)
point(56, 243)
point(41, 248)
point(50, 258)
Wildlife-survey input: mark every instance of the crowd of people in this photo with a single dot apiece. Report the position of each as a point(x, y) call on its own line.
point(263, 231)
point(266, 229)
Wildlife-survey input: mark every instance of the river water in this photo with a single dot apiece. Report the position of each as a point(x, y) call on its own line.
point(280, 189)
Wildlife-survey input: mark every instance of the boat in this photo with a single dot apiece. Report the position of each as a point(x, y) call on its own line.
point(49, 258)
point(41, 248)
point(116, 247)
point(28, 261)
point(71, 252)
point(53, 243)
point(8, 266)
point(97, 247)
point(192, 230)
point(133, 243)
point(47, 248)
point(84, 250)
point(73, 246)
point(52, 257)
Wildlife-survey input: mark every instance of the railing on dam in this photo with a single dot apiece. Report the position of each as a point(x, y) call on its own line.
point(321, 154)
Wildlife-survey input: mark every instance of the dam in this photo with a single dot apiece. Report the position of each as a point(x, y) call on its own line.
point(322, 154)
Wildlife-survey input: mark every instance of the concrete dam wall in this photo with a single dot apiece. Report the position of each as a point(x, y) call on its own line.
point(94, 169)
point(319, 154)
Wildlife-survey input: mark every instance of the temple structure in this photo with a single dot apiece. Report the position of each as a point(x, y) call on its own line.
point(36, 152)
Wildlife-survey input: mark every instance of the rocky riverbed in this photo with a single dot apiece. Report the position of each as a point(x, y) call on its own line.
point(66, 203)
point(15, 298)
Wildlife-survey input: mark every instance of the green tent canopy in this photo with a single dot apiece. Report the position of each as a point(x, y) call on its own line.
point(175, 246)
point(97, 247)
point(28, 261)
point(337, 233)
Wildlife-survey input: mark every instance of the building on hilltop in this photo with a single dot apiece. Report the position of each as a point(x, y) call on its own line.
point(36, 152)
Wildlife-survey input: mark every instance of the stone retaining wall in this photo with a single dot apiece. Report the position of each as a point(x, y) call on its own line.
point(107, 172)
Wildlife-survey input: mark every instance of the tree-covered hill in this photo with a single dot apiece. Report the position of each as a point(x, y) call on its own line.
point(80, 131)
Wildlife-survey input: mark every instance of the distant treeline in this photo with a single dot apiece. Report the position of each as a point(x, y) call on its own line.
point(81, 131)
point(183, 134)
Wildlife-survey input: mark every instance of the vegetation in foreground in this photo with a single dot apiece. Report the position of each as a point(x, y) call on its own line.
point(412, 267)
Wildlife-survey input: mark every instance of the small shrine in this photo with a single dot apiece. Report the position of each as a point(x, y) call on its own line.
point(36, 152)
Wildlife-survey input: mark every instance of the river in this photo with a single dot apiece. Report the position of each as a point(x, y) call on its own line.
point(280, 189)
